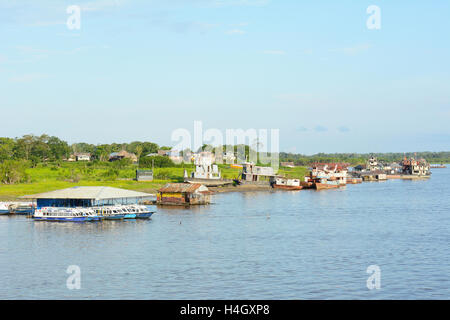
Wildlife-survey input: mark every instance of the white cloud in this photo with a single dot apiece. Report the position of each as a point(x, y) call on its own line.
point(28, 77)
point(354, 50)
point(46, 23)
point(101, 5)
point(223, 3)
point(275, 52)
point(240, 24)
point(188, 26)
point(235, 31)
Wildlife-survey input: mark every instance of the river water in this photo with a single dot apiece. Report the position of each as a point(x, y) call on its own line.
point(266, 245)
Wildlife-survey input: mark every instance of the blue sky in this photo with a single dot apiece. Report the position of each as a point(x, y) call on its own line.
point(137, 70)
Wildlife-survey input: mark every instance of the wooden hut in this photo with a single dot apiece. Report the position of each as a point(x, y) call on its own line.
point(183, 194)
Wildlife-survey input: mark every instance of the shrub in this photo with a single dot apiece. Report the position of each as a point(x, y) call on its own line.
point(157, 161)
point(110, 174)
point(161, 174)
point(13, 171)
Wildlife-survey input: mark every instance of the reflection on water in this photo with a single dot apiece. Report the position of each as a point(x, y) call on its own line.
point(268, 245)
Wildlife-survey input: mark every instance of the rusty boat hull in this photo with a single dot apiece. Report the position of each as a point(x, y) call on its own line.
point(324, 186)
point(284, 187)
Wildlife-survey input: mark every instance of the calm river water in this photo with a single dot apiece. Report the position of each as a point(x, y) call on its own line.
point(266, 245)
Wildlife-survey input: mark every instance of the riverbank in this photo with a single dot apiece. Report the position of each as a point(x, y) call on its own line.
point(14, 192)
point(50, 177)
point(241, 188)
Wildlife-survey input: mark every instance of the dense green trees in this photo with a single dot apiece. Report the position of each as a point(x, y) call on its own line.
point(6, 148)
point(33, 148)
point(156, 161)
point(13, 171)
point(44, 148)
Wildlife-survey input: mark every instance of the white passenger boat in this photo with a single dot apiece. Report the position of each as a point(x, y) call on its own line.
point(139, 211)
point(109, 212)
point(65, 214)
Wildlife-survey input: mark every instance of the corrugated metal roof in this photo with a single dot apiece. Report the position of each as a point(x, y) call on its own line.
point(180, 187)
point(96, 193)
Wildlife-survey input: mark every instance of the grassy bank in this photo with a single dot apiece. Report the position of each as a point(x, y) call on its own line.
point(49, 177)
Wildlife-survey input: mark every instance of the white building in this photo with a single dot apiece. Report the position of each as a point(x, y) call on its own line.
point(205, 167)
point(229, 157)
point(250, 172)
point(80, 157)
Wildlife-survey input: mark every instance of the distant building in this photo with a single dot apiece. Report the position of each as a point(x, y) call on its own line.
point(205, 167)
point(393, 168)
point(372, 164)
point(250, 172)
point(144, 175)
point(79, 157)
point(163, 152)
point(287, 164)
point(360, 167)
point(415, 167)
point(229, 157)
point(123, 155)
point(374, 175)
point(152, 155)
point(83, 157)
point(183, 194)
point(175, 156)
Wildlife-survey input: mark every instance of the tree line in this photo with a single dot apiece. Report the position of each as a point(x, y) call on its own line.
point(361, 158)
point(32, 149)
point(50, 148)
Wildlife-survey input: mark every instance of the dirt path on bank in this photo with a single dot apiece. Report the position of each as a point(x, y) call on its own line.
point(240, 188)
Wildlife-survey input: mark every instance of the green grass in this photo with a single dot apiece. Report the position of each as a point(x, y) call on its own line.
point(49, 177)
point(11, 192)
point(297, 172)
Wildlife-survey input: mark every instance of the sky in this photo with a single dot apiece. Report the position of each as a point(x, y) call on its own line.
point(138, 70)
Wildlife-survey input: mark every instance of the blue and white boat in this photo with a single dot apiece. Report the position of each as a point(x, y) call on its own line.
point(109, 213)
point(21, 208)
point(139, 211)
point(4, 208)
point(65, 214)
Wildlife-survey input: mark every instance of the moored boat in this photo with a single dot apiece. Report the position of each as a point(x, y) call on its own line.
point(326, 184)
point(130, 216)
point(286, 184)
point(65, 214)
point(354, 180)
point(21, 208)
point(139, 211)
point(326, 176)
point(438, 166)
point(109, 213)
point(4, 208)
